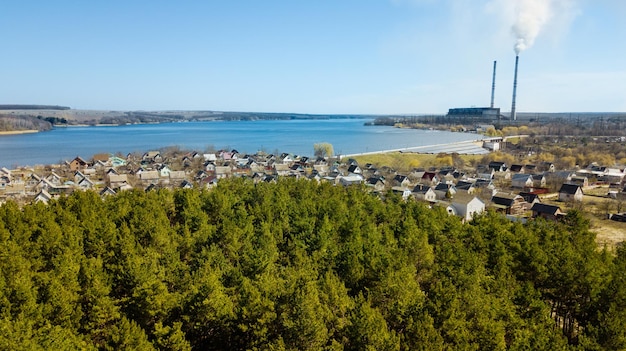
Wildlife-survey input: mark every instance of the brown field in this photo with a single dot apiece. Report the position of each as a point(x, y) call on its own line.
point(403, 162)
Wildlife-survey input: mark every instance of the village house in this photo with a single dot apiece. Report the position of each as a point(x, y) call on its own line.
point(43, 196)
point(549, 212)
point(355, 169)
point(530, 168)
point(465, 186)
point(516, 169)
point(54, 179)
point(546, 167)
point(430, 178)
point(444, 190)
point(152, 157)
point(209, 157)
point(502, 175)
point(351, 179)
point(510, 204)
point(85, 184)
point(570, 192)
point(497, 166)
point(424, 193)
point(223, 171)
point(177, 176)
point(539, 181)
point(32, 180)
point(485, 185)
point(611, 175)
point(315, 176)
point(579, 180)
point(466, 207)
point(376, 183)
point(117, 180)
point(149, 177)
point(78, 176)
point(401, 181)
point(4, 181)
point(281, 169)
point(530, 198)
point(485, 172)
point(77, 163)
point(402, 191)
point(321, 169)
point(164, 171)
point(285, 158)
point(107, 192)
point(521, 181)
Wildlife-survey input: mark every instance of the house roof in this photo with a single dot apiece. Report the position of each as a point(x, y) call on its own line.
point(399, 178)
point(505, 199)
point(80, 160)
point(421, 189)
point(464, 185)
point(429, 175)
point(465, 199)
point(570, 189)
point(374, 180)
point(444, 186)
point(538, 177)
point(521, 177)
point(546, 209)
point(529, 197)
point(353, 168)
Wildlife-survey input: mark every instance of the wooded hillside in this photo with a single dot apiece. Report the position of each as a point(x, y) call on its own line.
point(16, 123)
point(298, 266)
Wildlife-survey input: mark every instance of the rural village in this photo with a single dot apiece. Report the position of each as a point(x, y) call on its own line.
point(519, 191)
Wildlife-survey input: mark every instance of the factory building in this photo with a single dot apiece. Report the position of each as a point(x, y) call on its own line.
point(476, 114)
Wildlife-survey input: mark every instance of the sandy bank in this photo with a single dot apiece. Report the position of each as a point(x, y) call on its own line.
point(13, 132)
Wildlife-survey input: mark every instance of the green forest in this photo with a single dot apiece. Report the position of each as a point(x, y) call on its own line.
point(296, 265)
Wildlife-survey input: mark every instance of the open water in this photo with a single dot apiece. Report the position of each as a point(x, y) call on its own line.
point(348, 136)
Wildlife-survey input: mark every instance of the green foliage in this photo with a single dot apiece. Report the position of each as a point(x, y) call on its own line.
point(298, 265)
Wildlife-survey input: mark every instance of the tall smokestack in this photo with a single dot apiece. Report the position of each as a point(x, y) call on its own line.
point(493, 84)
point(513, 116)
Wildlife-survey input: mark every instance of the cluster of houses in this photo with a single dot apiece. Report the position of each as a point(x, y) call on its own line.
point(463, 193)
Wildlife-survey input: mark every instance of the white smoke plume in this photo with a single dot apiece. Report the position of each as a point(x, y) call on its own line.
point(531, 16)
point(528, 18)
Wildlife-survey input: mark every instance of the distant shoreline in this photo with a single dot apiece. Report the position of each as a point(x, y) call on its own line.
point(13, 132)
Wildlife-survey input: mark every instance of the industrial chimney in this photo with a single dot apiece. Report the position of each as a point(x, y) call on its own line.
point(493, 83)
point(513, 116)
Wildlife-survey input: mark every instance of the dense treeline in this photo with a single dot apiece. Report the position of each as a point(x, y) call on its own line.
point(299, 266)
point(33, 107)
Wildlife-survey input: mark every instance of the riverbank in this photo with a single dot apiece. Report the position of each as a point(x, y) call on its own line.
point(14, 132)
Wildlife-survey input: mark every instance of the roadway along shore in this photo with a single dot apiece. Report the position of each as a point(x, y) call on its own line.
point(472, 147)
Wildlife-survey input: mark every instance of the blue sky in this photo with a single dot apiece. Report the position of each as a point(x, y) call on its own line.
point(322, 56)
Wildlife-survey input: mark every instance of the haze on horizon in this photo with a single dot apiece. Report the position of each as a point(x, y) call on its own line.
point(353, 57)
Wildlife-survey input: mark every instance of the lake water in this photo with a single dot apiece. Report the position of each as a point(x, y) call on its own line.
point(348, 136)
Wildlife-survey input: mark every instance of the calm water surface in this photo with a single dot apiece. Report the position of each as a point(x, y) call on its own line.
point(348, 136)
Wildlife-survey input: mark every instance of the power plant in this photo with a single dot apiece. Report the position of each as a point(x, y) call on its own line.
point(478, 114)
point(491, 113)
